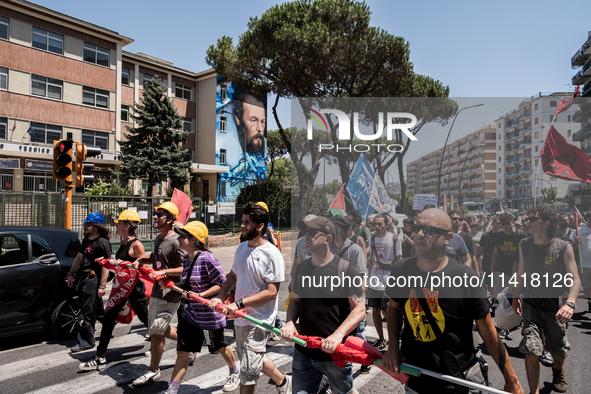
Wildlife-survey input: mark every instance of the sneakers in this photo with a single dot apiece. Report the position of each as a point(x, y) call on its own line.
point(546, 359)
point(232, 382)
point(192, 357)
point(148, 353)
point(503, 334)
point(559, 381)
point(364, 369)
point(78, 349)
point(94, 363)
point(379, 344)
point(146, 378)
point(286, 388)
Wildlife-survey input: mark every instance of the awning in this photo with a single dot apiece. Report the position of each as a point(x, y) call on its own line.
point(208, 168)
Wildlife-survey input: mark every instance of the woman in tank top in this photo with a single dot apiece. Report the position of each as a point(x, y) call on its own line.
point(130, 250)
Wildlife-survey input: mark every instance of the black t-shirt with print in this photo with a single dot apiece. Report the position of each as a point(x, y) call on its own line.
point(93, 249)
point(453, 307)
point(323, 310)
point(508, 250)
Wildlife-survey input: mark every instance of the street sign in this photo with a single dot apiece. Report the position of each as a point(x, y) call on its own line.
point(226, 208)
point(212, 208)
point(420, 200)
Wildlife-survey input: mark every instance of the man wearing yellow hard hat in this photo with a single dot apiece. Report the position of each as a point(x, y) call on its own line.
point(166, 259)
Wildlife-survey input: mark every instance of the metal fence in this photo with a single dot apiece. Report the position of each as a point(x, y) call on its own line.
point(280, 217)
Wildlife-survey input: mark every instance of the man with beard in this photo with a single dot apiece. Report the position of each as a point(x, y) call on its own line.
point(438, 322)
point(257, 272)
point(251, 120)
point(167, 259)
point(456, 218)
point(91, 278)
point(564, 232)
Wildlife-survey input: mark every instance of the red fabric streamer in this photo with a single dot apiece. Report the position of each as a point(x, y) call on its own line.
point(343, 354)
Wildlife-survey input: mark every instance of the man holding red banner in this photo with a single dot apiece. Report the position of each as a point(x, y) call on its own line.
point(127, 288)
point(331, 313)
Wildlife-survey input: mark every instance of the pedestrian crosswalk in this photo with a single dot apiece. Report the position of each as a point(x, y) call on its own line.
point(56, 370)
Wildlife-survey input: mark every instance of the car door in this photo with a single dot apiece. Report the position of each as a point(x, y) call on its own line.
point(30, 274)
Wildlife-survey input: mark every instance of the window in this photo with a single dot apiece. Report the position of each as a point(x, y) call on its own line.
point(224, 93)
point(48, 41)
point(3, 128)
point(124, 76)
point(536, 121)
point(569, 119)
point(499, 159)
point(552, 104)
point(125, 113)
point(568, 133)
point(499, 181)
point(45, 133)
point(223, 124)
point(223, 189)
point(3, 78)
point(536, 107)
point(40, 247)
point(182, 91)
point(536, 162)
point(147, 78)
point(536, 148)
point(187, 124)
point(4, 23)
point(499, 170)
point(222, 156)
point(498, 125)
point(96, 55)
point(499, 147)
point(95, 97)
point(46, 87)
point(15, 249)
point(537, 134)
point(98, 139)
point(499, 137)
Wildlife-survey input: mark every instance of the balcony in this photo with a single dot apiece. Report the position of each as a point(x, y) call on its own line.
point(526, 127)
point(525, 114)
point(579, 58)
point(586, 90)
point(583, 134)
point(580, 78)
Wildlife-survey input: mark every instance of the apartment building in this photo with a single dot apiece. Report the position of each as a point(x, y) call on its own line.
point(520, 136)
point(61, 75)
point(468, 166)
point(582, 59)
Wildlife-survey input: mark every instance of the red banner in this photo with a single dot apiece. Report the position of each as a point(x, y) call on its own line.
point(184, 204)
point(563, 160)
point(565, 104)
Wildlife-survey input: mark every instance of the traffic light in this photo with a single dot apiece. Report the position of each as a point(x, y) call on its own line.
point(62, 160)
point(82, 152)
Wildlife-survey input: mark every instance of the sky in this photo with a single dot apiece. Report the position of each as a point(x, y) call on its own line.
point(482, 49)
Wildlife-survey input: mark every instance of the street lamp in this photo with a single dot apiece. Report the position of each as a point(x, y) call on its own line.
point(445, 145)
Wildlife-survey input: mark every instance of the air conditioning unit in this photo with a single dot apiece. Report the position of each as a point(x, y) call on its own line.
point(198, 179)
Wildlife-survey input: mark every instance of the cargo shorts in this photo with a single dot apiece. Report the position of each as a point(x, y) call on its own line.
point(251, 346)
point(534, 322)
point(160, 314)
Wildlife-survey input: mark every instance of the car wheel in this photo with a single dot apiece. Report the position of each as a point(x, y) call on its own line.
point(66, 318)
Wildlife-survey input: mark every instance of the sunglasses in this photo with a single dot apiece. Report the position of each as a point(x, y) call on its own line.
point(429, 230)
point(312, 232)
point(158, 214)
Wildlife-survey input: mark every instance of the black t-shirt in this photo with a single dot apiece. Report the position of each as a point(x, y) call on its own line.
point(468, 241)
point(454, 308)
point(406, 246)
point(508, 247)
point(323, 310)
point(92, 249)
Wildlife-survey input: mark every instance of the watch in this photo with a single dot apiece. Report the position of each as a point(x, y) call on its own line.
point(571, 304)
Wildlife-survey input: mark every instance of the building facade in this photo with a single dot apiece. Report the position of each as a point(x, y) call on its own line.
point(61, 75)
point(582, 59)
point(468, 166)
point(520, 136)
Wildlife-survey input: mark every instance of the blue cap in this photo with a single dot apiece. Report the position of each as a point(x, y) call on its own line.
point(270, 225)
point(95, 217)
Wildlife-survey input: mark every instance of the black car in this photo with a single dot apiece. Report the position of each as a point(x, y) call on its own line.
point(34, 262)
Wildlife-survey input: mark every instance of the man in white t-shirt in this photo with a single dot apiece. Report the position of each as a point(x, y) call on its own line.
point(385, 249)
point(584, 239)
point(257, 272)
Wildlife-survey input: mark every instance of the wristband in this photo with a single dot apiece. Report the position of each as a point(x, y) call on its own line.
point(240, 303)
point(102, 287)
point(71, 273)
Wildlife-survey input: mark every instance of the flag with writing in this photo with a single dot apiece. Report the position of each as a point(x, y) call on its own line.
point(565, 104)
point(563, 160)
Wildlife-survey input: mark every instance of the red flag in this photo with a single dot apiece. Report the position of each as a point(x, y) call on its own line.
point(563, 160)
point(337, 207)
point(184, 204)
point(565, 104)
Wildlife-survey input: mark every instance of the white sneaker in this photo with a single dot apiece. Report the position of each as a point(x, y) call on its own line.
point(192, 357)
point(286, 388)
point(148, 353)
point(232, 382)
point(94, 363)
point(146, 378)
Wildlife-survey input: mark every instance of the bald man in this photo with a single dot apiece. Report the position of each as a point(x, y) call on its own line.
point(433, 310)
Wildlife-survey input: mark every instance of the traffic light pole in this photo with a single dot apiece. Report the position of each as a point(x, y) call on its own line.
point(69, 205)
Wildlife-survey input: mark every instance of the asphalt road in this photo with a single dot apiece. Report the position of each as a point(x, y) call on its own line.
point(39, 363)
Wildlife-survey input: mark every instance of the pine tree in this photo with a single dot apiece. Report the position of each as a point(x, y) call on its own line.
point(153, 150)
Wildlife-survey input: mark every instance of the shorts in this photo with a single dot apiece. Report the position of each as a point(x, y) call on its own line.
point(586, 278)
point(160, 315)
point(307, 375)
point(534, 322)
point(190, 338)
point(251, 346)
point(377, 299)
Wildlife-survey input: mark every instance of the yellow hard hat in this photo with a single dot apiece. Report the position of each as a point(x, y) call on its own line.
point(262, 204)
point(129, 215)
point(195, 229)
point(170, 208)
